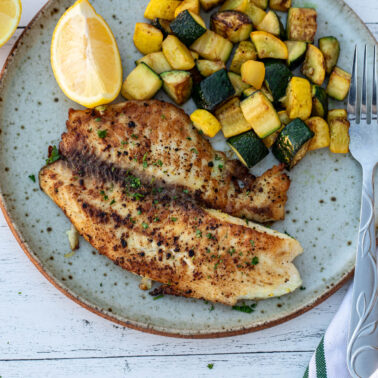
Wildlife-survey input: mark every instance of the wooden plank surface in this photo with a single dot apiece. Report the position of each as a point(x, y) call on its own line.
point(44, 334)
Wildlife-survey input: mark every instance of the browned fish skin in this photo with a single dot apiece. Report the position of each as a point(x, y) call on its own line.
point(195, 252)
point(155, 141)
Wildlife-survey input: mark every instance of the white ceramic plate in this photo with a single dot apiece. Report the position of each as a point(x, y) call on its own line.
point(322, 211)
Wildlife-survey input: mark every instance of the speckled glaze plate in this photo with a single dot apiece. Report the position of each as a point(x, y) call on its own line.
point(322, 211)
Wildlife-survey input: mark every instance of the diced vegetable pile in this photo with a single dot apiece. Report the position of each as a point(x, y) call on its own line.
point(257, 102)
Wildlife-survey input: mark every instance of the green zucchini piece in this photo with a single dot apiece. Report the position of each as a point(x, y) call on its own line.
point(260, 114)
point(277, 77)
point(330, 47)
point(297, 52)
point(232, 119)
point(213, 91)
point(212, 46)
point(232, 25)
point(157, 61)
point(292, 143)
point(319, 102)
point(247, 92)
point(301, 24)
point(237, 83)
point(248, 147)
point(210, 4)
point(272, 24)
point(338, 84)
point(141, 84)
point(178, 85)
point(314, 66)
point(208, 67)
point(245, 51)
point(255, 13)
point(162, 25)
point(188, 27)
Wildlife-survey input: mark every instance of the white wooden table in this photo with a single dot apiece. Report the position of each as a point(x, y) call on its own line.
point(44, 334)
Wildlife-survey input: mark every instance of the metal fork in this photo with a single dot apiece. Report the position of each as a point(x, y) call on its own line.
point(362, 350)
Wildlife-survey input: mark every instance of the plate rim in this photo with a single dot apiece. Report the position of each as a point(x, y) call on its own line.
point(146, 328)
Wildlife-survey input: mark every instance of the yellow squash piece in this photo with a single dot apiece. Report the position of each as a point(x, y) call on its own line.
point(269, 46)
point(205, 122)
point(339, 130)
point(298, 98)
point(190, 5)
point(85, 57)
point(255, 13)
point(161, 9)
point(270, 139)
point(284, 118)
point(280, 5)
point(177, 54)
point(237, 5)
point(253, 73)
point(338, 84)
point(10, 14)
point(147, 38)
point(156, 61)
point(320, 128)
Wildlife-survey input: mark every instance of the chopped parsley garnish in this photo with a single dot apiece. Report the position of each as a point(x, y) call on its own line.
point(139, 212)
point(212, 308)
point(210, 366)
point(145, 164)
point(156, 202)
point(186, 191)
point(245, 308)
point(138, 196)
point(113, 202)
point(104, 195)
point(54, 156)
point(98, 119)
point(252, 243)
point(220, 166)
point(32, 177)
point(156, 219)
point(210, 236)
point(194, 150)
point(246, 221)
point(163, 116)
point(158, 163)
point(216, 266)
point(134, 136)
point(134, 182)
point(173, 219)
point(208, 250)
point(217, 157)
point(199, 233)
point(102, 133)
point(189, 138)
point(255, 260)
point(158, 297)
point(124, 142)
point(145, 225)
point(231, 251)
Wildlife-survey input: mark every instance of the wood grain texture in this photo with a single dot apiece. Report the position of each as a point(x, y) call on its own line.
point(44, 334)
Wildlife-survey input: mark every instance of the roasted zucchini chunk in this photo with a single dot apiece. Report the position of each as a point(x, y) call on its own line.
point(162, 25)
point(301, 24)
point(319, 102)
point(339, 130)
point(232, 25)
point(292, 143)
point(270, 139)
point(280, 5)
point(297, 52)
point(205, 122)
point(248, 147)
point(247, 92)
point(213, 91)
point(238, 83)
point(272, 24)
point(157, 61)
point(330, 47)
point(147, 39)
point(314, 65)
point(255, 13)
point(338, 84)
point(161, 9)
point(208, 67)
point(177, 54)
point(298, 98)
point(253, 73)
point(277, 77)
point(188, 27)
point(141, 84)
point(320, 128)
point(178, 85)
point(238, 5)
point(268, 46)
point(260, 114)
point(210, 4)
point(190, 5)
point(213, 47)
point(232, 119)
point(245, 51)
point(262, 4)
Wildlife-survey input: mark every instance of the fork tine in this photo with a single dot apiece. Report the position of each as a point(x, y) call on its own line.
point(352, 98)
point(374, 110)
point(364, 88)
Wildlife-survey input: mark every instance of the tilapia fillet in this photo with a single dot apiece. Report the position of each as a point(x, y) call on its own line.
point(156, 142)
point(194, 252)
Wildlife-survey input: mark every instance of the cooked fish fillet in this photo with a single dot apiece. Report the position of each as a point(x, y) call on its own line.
point(193, 251)
point(157, 142)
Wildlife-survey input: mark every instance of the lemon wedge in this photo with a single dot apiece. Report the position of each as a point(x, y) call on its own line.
point(10, 14)
point(85, 57)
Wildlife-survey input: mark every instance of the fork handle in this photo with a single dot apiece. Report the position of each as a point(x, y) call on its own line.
point(362, 351)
